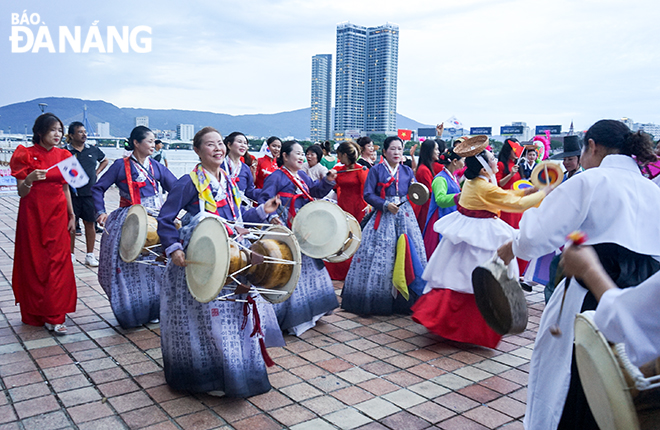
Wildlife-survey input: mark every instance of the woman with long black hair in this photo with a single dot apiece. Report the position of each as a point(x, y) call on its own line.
point(427, 168)
point(368, 286)
point(444, 189)
point(133, 289)
point(314, 296)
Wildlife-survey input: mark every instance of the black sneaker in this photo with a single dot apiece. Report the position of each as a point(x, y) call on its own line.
point(526, 287)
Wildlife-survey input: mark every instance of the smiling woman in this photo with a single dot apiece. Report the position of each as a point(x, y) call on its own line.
point(240, 173)
point(133, 289)
point(43, 282)
point(208, 347)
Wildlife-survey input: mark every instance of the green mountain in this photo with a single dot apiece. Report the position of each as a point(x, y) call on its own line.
point(122, 120)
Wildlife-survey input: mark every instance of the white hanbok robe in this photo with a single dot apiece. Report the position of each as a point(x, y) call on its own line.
point(613, 203)
point(630, 316)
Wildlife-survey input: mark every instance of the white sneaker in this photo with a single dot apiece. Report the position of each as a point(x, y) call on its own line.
point(73, 258)
point(91, 261)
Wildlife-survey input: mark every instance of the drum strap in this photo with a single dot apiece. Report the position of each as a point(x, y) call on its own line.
point(292, 205)
point(256, 331)
point(302, 186)
point(304, 189)
point(384, 186)
point(133, 187)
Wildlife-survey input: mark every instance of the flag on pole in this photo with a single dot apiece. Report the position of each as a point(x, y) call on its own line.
point(453, 122)
point(404, 134)
point(73, 172)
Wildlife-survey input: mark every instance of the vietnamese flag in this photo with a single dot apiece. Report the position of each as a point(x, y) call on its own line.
point(404, 134)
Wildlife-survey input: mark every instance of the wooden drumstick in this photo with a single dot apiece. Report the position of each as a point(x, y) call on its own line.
point(577, 238)
point(547, 179)
point(198, 262)
point(351, 170)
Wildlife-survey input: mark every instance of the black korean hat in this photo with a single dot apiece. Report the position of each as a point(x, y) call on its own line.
point(572, 148)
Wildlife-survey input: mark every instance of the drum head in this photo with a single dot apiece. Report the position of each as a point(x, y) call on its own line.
point(538, 176)
point(522, 184)
point(353, 244)
point(292, 243)
point(418, 193)
point(602, 379)
point(208, 259)
point(500, 300)
point(320, 228)
point(133, 233)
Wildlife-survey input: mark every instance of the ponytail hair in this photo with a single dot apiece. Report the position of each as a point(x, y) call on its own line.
point(616, 135)
point(287, 147)
point(351, 149)
point(139, 133)
point(326, 147)
point(447, 157)
point(473, 166)
point(364, 141)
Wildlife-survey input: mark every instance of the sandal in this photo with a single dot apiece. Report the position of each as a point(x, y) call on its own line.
point(57, 329)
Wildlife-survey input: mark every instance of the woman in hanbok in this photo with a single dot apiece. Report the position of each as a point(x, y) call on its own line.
point(211, 347)
point(368, 289)
point(43, 281)
point(268, 163)
point(132, 288)
point(350, 196)
point(470, 237)
point(528, 162)
point(617, 208)
point(314, 296)
point(444, 189)
point(239, 172)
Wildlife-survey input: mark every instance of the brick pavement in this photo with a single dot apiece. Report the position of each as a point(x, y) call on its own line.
point(348, 372)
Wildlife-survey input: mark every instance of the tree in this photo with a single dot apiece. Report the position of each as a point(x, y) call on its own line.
point(556, 144)
point(496, 145)
point(378, 138)
point(255, 145)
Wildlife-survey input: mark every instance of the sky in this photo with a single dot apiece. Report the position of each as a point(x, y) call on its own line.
point(486, 62)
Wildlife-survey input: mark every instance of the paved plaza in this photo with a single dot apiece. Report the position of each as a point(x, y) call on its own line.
point(348, 372)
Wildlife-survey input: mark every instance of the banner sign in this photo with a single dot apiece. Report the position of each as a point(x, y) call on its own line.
point(481, 130)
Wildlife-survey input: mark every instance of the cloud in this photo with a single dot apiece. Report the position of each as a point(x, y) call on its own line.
point(489, 62)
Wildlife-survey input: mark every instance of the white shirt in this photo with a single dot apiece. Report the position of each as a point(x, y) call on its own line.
point(613, 203)
point(630, 316)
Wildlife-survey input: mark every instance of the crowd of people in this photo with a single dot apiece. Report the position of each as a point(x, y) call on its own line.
point(477, 212)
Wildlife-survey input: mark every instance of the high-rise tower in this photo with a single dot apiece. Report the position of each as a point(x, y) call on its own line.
point(320, 127)
point(350, 76)
point(366, 78)
point(382, 67)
